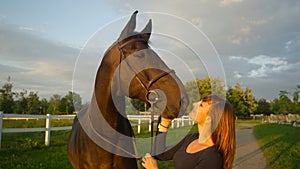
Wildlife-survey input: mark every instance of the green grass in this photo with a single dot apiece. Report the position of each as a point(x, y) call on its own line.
point(30, 123)
point(27, 150)
point(280, 145)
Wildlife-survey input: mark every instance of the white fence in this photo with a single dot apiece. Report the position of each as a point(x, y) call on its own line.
point(137, 120)
point(288, 119)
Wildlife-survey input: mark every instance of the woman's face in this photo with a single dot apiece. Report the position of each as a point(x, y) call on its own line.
point(199, 112)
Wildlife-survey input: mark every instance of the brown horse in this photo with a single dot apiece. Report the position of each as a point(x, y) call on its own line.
point(101, 135)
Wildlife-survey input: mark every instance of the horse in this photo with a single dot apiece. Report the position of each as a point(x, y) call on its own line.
point(101, 135)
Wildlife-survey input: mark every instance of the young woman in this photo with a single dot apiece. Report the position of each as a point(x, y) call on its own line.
point(213, 147)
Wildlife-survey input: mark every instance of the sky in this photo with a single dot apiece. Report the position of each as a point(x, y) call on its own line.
point(56, 46)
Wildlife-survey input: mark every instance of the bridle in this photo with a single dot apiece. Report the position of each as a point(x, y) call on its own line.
point(141, 79)
point(151, 95)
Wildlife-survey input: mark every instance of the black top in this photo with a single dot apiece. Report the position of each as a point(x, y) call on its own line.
point(209, 158)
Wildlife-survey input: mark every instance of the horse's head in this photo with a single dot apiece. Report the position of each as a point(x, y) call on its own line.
point(141, 73)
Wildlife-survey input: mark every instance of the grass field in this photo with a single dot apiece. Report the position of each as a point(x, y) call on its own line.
point(280, 145)
point(27, 150)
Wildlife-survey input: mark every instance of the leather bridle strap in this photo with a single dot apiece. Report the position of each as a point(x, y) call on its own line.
point(152, 81)
point(161, 75)
point(147, 86)
point(122, 45)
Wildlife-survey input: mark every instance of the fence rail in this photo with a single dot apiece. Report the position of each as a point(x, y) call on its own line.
point(289, 119)
point(136, 120)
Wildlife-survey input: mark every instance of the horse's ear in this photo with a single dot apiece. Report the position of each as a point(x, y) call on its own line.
point(146, 32)
point(129, 28)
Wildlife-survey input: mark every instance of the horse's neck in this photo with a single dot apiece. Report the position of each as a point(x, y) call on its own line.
point(110, 104)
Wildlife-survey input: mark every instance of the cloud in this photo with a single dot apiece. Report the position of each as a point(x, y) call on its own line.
point(236, 40)
point(8, 69)
point(229, 2)
point(244, 28)
point(262, 35)
point(263, 66)
point(237, 75)
point(33, 62)
point(198, 22)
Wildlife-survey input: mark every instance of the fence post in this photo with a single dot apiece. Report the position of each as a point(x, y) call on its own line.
point(1, 117)
point(139, 126)
point(48, 130)
point(150, 125)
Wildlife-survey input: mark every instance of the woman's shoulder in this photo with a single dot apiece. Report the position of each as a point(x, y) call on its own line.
point(210, 158)
point(212, 154)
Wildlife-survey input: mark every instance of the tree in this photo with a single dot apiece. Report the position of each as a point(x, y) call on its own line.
point(250, 101)
point(44, 106)
point(134, 106)
point(198, 88)
point(235, 95)
point(29, 102)
point(6, 97)
point(53, 104)
point(263, 107)
point(283, 104)
point(69, 102)
point(33, 103)
point(296, 103)
point(243, 101)
point(21, 103)
point(139, 105)
point(77, 102)
point(296, 94)
point(63, 106)
point(283, 94)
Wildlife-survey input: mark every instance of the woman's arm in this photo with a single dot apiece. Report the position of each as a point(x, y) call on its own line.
point(161, 152)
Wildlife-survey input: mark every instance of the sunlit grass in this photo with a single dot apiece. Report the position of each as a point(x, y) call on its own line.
point(27, 150)
point(280, 145)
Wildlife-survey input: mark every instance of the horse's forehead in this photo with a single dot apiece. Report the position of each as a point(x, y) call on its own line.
point(146, 58)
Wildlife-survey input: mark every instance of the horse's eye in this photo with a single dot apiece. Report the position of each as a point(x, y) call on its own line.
point(140, 54)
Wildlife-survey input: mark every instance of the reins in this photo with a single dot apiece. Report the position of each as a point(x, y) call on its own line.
point(151, 96)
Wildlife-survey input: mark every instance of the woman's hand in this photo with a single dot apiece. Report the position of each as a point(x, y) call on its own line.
point(149, 162)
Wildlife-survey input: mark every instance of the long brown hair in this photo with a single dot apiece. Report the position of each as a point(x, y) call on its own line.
point(223, 127)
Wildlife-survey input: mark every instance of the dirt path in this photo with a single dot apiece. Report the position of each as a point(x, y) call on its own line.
point(248, 153)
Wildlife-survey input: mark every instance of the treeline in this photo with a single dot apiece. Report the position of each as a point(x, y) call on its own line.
point(244, 102)
point(25, 102)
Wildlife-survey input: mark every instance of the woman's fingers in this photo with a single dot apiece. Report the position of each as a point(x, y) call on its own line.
point(149, 162)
